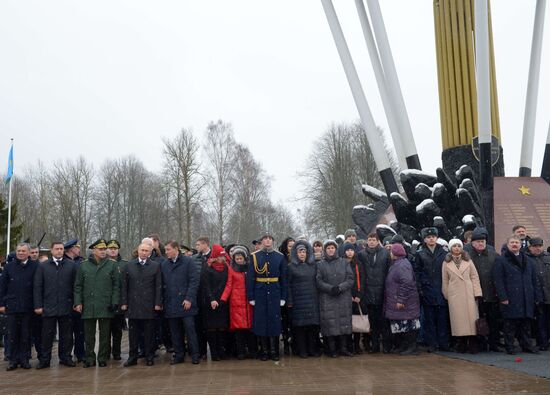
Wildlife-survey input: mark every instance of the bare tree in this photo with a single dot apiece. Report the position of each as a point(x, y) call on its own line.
point(341, 162)
point(219, 146)
point(183, 176)
point(72, 187)
point(250, 186)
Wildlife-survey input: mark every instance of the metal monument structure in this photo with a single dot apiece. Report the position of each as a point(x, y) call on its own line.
point(461, 194)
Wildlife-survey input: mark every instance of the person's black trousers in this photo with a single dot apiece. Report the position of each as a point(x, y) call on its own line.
point(491, 312)
point(49, 328)
point(246, 343)
point(117, 325)
point(179, 329)
point(520, 327)
point(146, 328)
point(305, 340)
point(19, 337)
point(380, 327)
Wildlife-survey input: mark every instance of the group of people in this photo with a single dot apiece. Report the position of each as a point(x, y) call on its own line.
point(458, 295)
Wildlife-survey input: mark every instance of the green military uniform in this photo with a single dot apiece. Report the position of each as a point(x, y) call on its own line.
point(118, 322)
point(97, 289)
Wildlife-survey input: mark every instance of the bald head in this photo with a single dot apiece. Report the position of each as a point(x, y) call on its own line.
point(144, 250)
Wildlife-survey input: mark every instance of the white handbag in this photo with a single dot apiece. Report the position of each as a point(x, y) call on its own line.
point(360, 322)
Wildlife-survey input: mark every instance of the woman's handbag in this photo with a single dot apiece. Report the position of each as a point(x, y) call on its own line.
point(360, 322)
point(482, 327)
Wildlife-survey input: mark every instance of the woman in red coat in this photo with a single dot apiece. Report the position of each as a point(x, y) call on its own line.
point(240, 311)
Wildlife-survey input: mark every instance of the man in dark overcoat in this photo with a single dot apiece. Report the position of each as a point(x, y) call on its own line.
point(53, 300)
point(518, 292)
point(72, 252)
point(16, 301)
point(141, 297)
point(428, 267)
point(484, 256)
point(542, 264)
point(180, 278)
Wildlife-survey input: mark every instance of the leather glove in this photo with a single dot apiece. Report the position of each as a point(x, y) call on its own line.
point(335, 291)
point(282, 303)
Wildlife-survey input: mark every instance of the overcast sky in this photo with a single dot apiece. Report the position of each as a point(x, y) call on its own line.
point(109, 78)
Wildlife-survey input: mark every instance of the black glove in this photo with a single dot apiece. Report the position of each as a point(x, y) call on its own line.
point(335, 291)
point(113, 308)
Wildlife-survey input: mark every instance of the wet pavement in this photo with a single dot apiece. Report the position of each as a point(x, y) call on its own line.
point(364, 374)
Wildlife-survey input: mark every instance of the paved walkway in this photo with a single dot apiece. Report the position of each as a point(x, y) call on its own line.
point(365, 374)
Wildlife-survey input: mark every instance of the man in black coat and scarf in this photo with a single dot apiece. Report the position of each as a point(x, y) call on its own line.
point(53, 300)
point(518, 292)
point(141, 297)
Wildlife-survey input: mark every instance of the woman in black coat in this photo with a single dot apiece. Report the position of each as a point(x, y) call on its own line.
point(303, 300)
point(216, 313)
point(358, 296)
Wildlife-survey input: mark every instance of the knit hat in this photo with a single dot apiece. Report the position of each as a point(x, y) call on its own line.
point(454, 242)
point(350, 232)
point(387, 240)
point(479, 233)
point(348, 246)
point(397, 250)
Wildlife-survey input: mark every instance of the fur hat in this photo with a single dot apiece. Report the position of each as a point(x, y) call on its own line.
point(239, 250)
point(454, 242)
point(479, 233)
point(431, 231)
point(329, 242)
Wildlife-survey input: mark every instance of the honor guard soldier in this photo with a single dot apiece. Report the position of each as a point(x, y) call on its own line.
point(119, 322)
point(267, 289)
point(96, 296)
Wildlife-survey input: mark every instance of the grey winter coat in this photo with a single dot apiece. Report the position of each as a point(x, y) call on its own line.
point(335, 309)
point(303, 298)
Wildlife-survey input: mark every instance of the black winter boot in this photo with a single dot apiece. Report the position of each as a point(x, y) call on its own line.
point(409, 338)
point(264, 345)
point(274, 348)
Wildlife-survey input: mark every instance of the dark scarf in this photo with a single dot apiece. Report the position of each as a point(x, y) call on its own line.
point(238, 268)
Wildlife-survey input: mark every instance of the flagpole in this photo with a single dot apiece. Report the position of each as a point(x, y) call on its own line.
point(9, 213)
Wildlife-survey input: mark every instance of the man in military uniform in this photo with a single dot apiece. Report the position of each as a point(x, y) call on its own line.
point(96, 296)
point(119, 322)
point(72, 252)
point(266, 287)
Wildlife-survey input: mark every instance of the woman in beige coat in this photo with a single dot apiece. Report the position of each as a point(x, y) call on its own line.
point(461, 287)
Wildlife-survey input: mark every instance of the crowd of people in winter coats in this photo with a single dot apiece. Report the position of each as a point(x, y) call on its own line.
point(334, 298)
